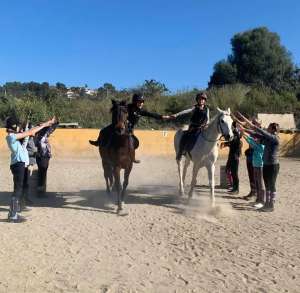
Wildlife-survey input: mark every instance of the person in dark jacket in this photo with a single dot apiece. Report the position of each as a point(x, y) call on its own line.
point(43, 156)
point(199, 119)
point(135, 111)
point(232, 165)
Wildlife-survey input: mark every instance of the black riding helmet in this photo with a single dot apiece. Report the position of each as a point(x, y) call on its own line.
point(201, 95)
point(11, 123)
point(137, 98)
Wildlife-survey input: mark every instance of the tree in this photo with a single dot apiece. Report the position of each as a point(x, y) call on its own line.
point(224, 73)
point(106, 90)
point(259, 59)
point(61, 87)
point(151, 88)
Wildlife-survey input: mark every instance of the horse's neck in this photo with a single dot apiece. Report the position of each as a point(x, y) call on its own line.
point(211, 133)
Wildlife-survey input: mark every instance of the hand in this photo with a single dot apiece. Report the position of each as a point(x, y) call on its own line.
point(168, 117)
point(51, 122)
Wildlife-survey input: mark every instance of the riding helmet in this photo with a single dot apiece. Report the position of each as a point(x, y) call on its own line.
point(201, 95)
point(137, 98)
point(11, 123)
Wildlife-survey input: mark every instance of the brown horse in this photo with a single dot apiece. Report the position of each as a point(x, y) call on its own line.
point(118, 154)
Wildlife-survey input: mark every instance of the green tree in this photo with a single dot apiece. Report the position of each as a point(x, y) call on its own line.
point(152, 88)
point(259, 58)
point(224, 73)
point(106, 91)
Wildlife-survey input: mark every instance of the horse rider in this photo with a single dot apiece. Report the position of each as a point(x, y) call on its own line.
point(135, 111)
point(199, 119)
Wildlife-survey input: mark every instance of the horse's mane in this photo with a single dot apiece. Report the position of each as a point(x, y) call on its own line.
point(219, 113)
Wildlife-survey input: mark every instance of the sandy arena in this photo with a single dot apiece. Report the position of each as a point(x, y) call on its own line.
point(73, 241)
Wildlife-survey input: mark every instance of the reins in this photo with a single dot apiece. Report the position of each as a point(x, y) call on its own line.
point(220, 131)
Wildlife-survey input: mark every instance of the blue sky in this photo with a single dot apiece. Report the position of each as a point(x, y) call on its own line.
point(124, 42)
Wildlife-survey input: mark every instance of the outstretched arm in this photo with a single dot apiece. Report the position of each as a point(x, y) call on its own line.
point(182, 113)
point(34, 130)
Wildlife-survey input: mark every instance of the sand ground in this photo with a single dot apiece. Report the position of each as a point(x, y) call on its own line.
point(73, 241)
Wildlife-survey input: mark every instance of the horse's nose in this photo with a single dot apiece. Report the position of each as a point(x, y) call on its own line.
point(228, 137)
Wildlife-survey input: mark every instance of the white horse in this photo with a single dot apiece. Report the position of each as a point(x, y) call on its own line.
point(205, 151)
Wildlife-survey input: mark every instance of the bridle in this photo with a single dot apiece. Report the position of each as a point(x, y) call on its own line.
point(220, 130)
point(121, 125)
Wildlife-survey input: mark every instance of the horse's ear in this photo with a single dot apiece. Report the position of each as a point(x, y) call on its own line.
point(113, 101)
point(228, 110)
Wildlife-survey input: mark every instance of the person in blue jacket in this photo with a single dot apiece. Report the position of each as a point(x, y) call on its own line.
point(257, 164)
point(19, 157)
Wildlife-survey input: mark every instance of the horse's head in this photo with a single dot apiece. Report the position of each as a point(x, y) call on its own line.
point(119, 116)
point(225, 124)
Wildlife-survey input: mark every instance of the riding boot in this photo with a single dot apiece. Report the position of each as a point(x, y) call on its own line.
point(269, 204)
point(132, 151)
point(14, 209)
point(94, 142)
point(134, 160)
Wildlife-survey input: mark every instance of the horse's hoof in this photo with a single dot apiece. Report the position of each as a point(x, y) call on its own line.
point(215, 210)
point(181, 193)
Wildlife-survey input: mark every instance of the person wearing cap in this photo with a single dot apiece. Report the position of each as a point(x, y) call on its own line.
point(18, 160)
point(135, 111)
point(199, 119)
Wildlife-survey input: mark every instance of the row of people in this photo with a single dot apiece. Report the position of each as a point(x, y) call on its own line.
point(261, 158)
point(265, 162)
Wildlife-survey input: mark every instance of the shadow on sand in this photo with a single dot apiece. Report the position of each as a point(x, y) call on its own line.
point(98, 200)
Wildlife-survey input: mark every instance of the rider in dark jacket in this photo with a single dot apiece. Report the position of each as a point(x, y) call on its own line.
point(135, 111)
point(199, 119)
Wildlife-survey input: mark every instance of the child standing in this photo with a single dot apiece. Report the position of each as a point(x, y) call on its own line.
point(257, 164)
point(18, 160)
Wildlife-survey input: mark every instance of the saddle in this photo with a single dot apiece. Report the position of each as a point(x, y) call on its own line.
point(189, 139)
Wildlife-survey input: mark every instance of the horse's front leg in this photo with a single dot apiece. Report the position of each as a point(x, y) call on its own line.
point(181, 187)
point(107, 174)
point(125, 183)
point(196, 168)
point(211, 177)
point(185, 167)
point(117, 181)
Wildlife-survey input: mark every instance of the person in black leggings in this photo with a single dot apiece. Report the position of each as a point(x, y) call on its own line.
point(43, 156)
point(232, 165)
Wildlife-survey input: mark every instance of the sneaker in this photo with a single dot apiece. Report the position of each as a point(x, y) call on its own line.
point(258, 205)
point(267, 207)
point(15, 218)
